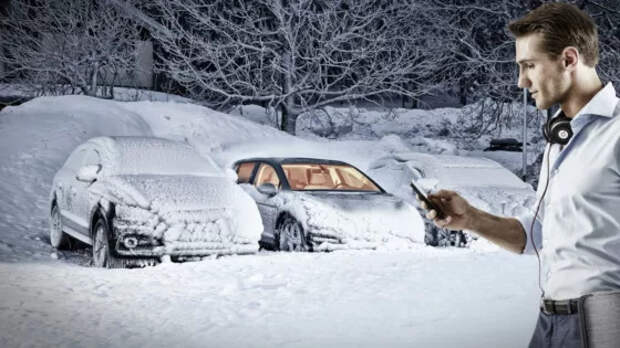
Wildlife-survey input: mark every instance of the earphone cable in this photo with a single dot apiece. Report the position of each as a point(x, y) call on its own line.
point(534, 220)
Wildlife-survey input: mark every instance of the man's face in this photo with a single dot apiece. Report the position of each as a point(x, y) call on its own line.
point(546, 78)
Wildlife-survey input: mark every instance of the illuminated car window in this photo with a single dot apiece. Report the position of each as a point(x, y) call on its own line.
point(244, 172)
point(266, 174)
point(312, 176)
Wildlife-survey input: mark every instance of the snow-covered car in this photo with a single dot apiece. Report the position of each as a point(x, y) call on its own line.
point(140, 198)
point(310, 204)
point(483, 182)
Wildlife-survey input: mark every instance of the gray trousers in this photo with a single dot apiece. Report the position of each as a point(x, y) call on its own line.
point(597, 325)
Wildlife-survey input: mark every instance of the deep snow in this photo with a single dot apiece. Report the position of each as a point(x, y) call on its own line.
point(420, 297)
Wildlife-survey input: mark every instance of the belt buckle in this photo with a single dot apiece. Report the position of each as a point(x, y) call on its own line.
point(563, 307)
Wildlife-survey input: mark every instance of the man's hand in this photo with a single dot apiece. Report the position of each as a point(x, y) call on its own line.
point(460, 215)
point(458, 212)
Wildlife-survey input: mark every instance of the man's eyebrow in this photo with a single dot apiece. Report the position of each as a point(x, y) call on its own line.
point(527, 60)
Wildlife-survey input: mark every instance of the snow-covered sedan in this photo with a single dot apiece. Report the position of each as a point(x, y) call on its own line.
point(483, 182)
point(136, 199)
point(310, 204)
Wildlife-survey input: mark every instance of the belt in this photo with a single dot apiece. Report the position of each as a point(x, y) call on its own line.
point(563, 307)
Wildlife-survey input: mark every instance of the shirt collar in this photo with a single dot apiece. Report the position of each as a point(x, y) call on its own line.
point(602, 104)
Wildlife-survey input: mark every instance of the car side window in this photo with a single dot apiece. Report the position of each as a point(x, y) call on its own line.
point(267, 174)
point(74, 162)
point(244, 172)
point(91, 157)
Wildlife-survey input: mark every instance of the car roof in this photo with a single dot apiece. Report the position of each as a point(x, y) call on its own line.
point(292, 160)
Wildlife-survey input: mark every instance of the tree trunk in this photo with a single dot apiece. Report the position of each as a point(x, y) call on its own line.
point(289, 120)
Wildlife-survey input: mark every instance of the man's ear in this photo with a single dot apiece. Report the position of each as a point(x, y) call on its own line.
point(570, 57)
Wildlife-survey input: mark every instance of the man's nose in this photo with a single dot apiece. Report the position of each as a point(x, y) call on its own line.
point(524, 82)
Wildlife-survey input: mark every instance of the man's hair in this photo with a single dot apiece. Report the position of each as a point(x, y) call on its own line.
point(561, 25)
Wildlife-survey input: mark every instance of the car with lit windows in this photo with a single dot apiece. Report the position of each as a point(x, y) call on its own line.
point(139, 199)
point(310, 204)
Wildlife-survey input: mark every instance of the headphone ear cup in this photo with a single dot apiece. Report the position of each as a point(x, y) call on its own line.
point(559, 130)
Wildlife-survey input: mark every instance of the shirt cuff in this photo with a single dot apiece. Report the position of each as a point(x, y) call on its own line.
point(526, 221)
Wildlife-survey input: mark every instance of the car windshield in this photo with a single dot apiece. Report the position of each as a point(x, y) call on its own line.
point(164, 159)
point(332, 177)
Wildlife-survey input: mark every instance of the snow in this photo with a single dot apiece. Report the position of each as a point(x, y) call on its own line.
point(420, 296)
point(146, 155)
point(426, 298)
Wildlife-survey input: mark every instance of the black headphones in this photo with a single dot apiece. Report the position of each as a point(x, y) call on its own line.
point(557, 129)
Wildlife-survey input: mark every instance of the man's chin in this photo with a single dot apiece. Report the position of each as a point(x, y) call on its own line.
point(541, 105)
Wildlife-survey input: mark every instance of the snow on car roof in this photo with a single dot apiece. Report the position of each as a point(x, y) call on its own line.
point(447, 161)
point(131, 155)
point(283, 160)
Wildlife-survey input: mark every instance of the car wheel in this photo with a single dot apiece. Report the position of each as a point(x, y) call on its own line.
point(431, 235)
point(102, 252)
point(58, 238)
point(291, 236)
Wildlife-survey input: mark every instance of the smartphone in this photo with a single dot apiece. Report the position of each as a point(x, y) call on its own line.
point(429, 204)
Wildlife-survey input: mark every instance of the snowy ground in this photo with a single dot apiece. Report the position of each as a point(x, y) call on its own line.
point(426, 298)
point(421, 297)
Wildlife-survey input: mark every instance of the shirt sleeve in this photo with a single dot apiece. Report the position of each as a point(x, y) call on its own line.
point(531, 233)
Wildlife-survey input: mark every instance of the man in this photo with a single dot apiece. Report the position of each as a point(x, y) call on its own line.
point(576, 225)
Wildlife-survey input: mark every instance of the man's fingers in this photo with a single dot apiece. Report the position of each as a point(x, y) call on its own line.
point(443, 194)
point(443, 222)
point(431, 215)
point(423, 205)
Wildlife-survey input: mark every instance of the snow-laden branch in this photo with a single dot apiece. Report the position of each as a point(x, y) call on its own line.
point(295, 54)
point(59, 44)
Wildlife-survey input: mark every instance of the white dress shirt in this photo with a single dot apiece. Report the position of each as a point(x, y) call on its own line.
point(577, 230)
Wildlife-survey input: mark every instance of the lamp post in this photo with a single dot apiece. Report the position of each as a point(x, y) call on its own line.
point(524, 175)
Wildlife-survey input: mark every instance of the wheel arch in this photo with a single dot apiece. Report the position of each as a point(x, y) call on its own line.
point(281, 216)
point(53, 203)
point(99, 212)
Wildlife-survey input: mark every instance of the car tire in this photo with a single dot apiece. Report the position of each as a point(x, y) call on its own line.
point(291, 236)
point(431, 235)
point(58, 238)
point(102, 252)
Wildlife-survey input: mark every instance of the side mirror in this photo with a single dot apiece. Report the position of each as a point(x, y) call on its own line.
point(231, 174)
point(88, 173)
point(268, 189)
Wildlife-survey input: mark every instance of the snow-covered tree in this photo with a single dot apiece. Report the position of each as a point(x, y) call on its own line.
point(295, 55)
point(67, 46)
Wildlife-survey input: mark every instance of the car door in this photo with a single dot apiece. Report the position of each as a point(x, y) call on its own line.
point(266, 206)
point(67, 190)
point(82, 205)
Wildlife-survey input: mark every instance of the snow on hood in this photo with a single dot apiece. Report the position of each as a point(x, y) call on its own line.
point(176, 200)
point(358, 218)
point(356, 201)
